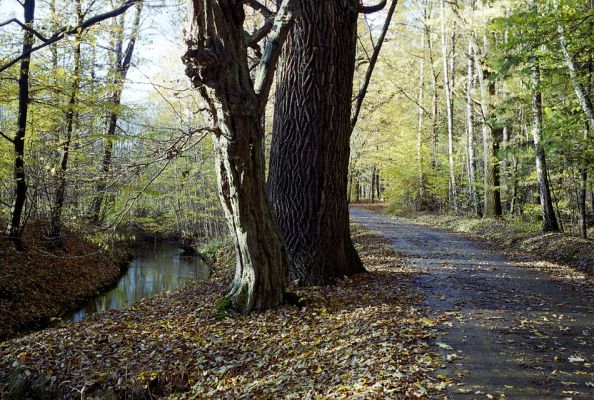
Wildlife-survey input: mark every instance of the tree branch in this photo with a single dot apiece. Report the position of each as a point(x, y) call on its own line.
point(260, 34)
point(372, 62)
point(67, 30)
point(6, 137)
point(372, 9)
point(261, 8)
point(265, 70)
point(25, 27)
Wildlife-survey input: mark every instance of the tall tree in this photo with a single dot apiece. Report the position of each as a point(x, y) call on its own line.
point(122, 62)
point(217, 64)
point(71, 116)
point(471, 161)
point(449, 98)
point(310, 143)
point(420, 202)
point(13, 230)
point(549, 221)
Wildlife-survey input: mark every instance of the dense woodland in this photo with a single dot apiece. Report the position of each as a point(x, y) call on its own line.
point(470, 107)
point(285, 166)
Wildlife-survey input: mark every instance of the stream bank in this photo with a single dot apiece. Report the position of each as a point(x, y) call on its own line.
point(42, 282)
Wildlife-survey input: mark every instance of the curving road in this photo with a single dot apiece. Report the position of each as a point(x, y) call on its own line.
point(511, 332)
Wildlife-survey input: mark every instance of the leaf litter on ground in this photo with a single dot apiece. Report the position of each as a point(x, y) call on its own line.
point(366, 337)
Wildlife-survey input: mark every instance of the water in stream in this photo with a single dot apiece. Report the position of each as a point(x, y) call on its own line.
point(154, 269)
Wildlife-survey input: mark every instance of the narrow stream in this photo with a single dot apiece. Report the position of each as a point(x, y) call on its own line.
point(154, 269)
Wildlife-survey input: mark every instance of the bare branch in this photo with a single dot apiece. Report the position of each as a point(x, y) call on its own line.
point(6, 137)
point(261, 8)
point(280, 29)
point(372, 9)
point(25, 27)
point(372, 62)
point(67, 30)
point(260, 34)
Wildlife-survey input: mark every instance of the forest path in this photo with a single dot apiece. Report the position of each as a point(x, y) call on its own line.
point(513, 332)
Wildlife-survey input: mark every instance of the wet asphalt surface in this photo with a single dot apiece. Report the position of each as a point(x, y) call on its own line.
point(511, 331)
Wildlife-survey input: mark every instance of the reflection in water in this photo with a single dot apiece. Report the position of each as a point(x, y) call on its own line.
point(154, 269)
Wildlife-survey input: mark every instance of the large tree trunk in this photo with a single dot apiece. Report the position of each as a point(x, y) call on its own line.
point(217, 64)
point(310, 142)
point(13, 231)
point(549, 221)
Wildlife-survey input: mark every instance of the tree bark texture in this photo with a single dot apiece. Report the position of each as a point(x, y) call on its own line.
point(217, 65)
point(310, 143)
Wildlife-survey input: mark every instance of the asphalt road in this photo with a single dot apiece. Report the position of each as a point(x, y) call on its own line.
point(512, 332)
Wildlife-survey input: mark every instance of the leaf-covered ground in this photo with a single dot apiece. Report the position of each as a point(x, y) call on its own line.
point(44, 281)
point(366, 337)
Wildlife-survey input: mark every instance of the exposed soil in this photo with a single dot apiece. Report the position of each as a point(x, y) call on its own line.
point(43, 281)
point(513, 332)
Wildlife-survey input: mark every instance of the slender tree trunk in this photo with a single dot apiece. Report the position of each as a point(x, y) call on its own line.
point(310, 142)
point(13, 230)
point(582, 96)
point(216, 62)
point(56, 215)
point(582, 192)
point(434, 100)
point(470, 130)
point(492, 200)
point(546, 202)
point(123, 61)
point(372, 185)
point(421, 201)
point(378, 193)
point(449, 109)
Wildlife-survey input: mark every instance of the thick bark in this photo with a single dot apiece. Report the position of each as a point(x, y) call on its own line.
point(447, 84)
point(216, 62)
point(13, 230)
point(71, 115)
point(470, 131)
point(310, 143)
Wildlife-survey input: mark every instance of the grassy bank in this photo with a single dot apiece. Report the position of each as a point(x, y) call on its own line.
point(43, 281)
point(519, 236)
point(366, 337)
